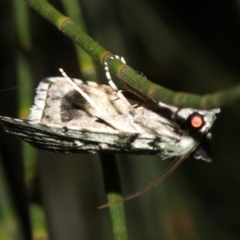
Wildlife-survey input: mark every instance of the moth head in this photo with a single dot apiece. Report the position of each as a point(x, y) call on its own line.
point(199, 124)
point(199, 120)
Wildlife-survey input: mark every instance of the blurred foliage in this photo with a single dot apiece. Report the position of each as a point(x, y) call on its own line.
point(191, 46)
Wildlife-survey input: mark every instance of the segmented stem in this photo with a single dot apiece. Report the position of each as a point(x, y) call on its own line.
point(134, 81)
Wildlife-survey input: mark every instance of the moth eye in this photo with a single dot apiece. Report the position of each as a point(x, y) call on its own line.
point(196, 120)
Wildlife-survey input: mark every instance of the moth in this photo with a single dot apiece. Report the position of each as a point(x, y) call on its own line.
point(75, 116)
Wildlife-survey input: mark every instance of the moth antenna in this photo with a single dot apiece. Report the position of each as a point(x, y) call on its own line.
point(112, 84)
point(172, 108)
point(119, 58)
point(153, 184)
point(77, 88)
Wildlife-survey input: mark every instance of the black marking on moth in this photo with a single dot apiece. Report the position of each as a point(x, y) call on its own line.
point(155, 143)
point(72, 106)
point(131, 140)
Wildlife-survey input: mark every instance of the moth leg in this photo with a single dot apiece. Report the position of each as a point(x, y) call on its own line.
point(114, 87)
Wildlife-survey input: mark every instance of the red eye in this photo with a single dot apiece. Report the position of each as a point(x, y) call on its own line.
point(196, 120)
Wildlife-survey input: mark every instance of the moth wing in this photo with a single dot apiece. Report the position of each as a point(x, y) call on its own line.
point(55, 138)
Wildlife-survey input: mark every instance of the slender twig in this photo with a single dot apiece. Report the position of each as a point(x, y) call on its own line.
point(111, 176)
point(129, 76)
point(85, 62)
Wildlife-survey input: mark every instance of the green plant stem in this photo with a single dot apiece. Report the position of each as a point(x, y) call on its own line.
point(85, 62)
point(113, 190)
point(108, 161)
point(129, 76)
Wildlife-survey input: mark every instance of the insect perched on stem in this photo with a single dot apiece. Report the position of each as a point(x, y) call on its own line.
point(75, 116)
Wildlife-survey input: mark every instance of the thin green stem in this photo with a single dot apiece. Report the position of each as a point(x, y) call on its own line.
point(113, 190)
point(129, 76)
point(108, 161)
point(84, 60)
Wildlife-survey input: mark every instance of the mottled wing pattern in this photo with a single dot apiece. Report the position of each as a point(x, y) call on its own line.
point(70, 140)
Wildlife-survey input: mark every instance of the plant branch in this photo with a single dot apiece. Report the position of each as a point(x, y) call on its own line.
point(111, 177)
point(129, 76)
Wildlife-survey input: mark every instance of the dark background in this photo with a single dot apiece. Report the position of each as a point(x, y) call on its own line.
point(190, 46)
